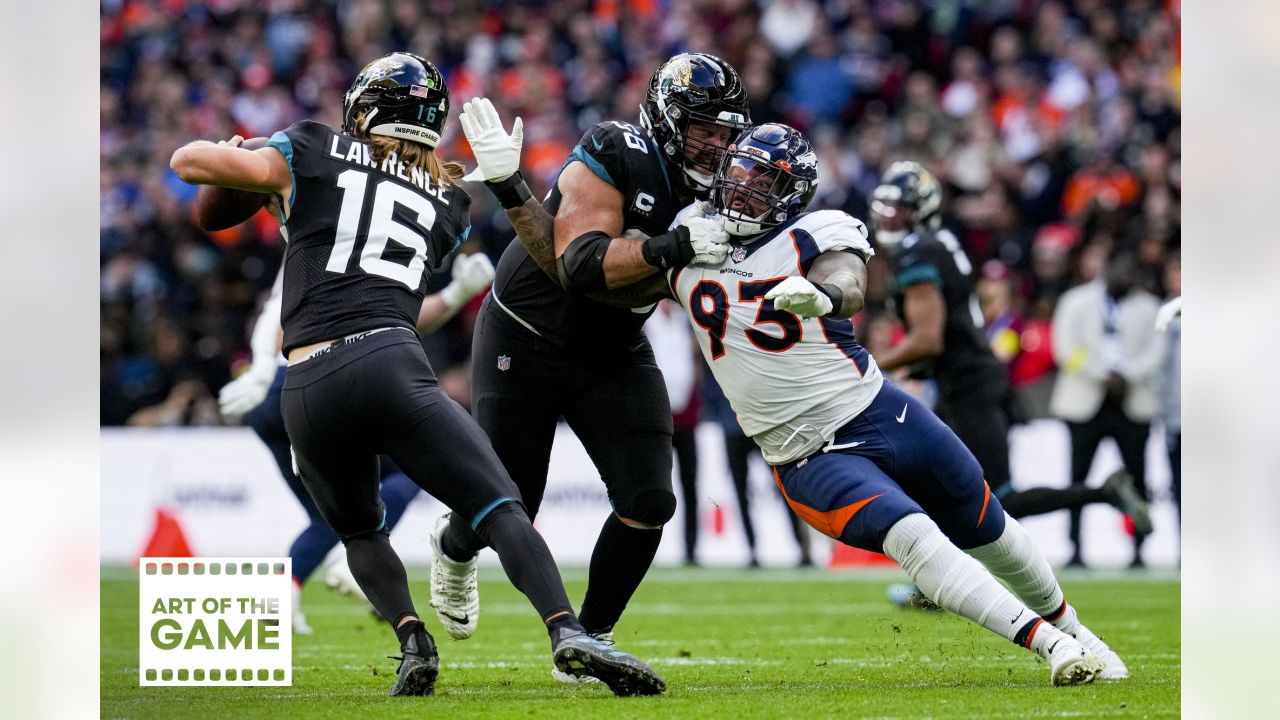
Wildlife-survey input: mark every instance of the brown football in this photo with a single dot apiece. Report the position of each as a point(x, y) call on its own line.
point(218, 208)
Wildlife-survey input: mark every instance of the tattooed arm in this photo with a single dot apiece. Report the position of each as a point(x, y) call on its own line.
point(536, 229)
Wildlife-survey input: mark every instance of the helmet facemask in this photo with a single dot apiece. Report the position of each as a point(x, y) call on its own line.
point(907, 200)
point(699, 142)
point(890, 218)
point(693, 99)
point(753, 195)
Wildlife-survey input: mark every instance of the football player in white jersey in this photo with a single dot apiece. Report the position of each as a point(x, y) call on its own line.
point(855, 456)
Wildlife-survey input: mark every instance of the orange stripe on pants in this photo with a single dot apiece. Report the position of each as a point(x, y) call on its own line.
point(828, 522)
point(985, 500)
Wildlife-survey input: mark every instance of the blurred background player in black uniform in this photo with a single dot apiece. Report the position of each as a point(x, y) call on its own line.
point(547, 347)
point(358, 383)
point(933, 297)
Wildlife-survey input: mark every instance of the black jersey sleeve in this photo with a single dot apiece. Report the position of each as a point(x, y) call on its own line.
point(299, 144)
point(916, 265)
point(622, 155)
point(601, 149)
point(458, 228)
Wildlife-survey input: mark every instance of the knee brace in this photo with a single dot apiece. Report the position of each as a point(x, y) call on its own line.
point(651, 508)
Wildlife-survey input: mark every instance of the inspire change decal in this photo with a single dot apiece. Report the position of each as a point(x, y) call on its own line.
point(215, 621)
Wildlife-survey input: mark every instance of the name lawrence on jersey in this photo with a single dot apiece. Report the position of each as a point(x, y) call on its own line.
point(354, 152)
point(821, 377)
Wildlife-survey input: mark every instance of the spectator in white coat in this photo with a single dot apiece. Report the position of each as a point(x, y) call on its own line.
point(1109, 360)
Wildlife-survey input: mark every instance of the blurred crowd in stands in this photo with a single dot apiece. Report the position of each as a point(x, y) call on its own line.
point(1054, 126)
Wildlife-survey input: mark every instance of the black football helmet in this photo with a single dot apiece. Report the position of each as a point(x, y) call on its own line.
point(402, 95)
point(694, 88)
point(768, 176)
point(907, 200)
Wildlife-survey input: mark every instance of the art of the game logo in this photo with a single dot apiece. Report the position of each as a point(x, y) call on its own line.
point(215, 621)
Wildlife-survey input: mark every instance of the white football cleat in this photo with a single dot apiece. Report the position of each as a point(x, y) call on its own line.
point(300, 625)
point(1071, 663)
point(1115, 668)
point(454, 593)
point(568, 679)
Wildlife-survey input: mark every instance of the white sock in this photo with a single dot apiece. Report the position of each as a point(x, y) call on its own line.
point(961, 585)
point(1015, 559)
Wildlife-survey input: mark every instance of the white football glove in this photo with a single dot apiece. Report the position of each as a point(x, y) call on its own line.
point(497, 153)
point(1168, 312)
point(247, 392)
point(472, 274)
point(798, 295)
point(696, 209)
point(708, 239)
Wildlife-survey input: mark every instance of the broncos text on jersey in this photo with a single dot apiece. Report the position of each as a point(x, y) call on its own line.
point(792, 382)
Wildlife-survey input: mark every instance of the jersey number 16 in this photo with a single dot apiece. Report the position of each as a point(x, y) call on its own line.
point(379, 227)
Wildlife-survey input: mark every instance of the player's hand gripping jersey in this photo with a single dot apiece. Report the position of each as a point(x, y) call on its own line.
point(622, 155)
point(819, 376)
point(363, 236)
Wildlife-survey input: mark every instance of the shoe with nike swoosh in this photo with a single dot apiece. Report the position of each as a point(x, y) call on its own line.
point(454, 592)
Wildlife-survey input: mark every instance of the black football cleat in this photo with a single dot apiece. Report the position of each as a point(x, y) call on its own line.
point(419, 666)
point(585, 655)
point(1123, 493)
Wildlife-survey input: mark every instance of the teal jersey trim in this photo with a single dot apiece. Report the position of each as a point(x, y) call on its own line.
point(919, 274)
point(281, 142)
point(662, 163)
point(580, 153)
point(480, 516)
point(461, 239)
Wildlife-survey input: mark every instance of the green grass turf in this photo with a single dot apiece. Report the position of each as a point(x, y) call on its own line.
point(730, 644)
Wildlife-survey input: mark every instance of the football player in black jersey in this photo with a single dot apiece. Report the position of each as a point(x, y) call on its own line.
point(369, 212)
point(547, 345)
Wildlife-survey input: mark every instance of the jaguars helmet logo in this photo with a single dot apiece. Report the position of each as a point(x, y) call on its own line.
point(677, 74)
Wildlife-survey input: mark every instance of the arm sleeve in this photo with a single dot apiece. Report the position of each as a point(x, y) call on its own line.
point(293, 143)
point(914, 267)
point(446, 238)
point(599, 150)
point(837, 230)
